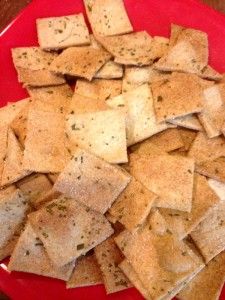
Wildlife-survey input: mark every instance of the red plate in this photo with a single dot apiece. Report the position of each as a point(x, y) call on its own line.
point(155, 16)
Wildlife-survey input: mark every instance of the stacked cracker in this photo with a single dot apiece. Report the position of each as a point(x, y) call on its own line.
point(122, 181)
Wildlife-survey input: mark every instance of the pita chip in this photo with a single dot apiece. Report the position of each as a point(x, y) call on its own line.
point(209, 235)
point(64, 221)
point(92, 181)
point(210, 74)
point(204, 199)
point(109, 257)
point(13, 169)
point(165, 176)
point(3, 147)
point(178, 96)
point(146, 148)
point(110, 70)
point(205, 149)
point(189, 122)
point(30, 256)
point(82, 104)
point(34, 187)
point(133, 205)
point(62, 32)
point(53, 177)
point(45, 150)
point(188, 137)
point(130, 49)
point(208, 283)
point(141, 122)
point(13, 210)
point(108, 17)
point(213, 169)
point(213, 115)
point(80, 61)
point(103, 133)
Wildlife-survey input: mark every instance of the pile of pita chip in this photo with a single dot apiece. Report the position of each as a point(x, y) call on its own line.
point(113, 170)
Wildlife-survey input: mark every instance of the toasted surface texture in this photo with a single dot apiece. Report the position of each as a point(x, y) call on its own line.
point(92, 181)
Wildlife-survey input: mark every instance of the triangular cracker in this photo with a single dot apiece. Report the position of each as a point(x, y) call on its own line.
point(109, 257)
point(45, 149)
point(108, 17)
point(102, 133)
point(66, 222)
point(141, 122)
point(213, 169)
point(80, 61)
point(62, 32)
point(110, 70)
point(189, 121)
point(178, 96)
point(92, 181)
point(133, 205)
point(210, 73)
point(101, 89)
point(30, 256)
point(188, 136)
point(165, 175)
point(86, 273)
point(204, 199)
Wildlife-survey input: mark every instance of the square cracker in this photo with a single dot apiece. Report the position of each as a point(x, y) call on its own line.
point(82, 104)
point(130, 49)
point(141, 122)
point(108, 17)
point(45, 149)
point(103, 133)
point(209, 235)
point(165, 176)
point(110, 70)
point(208, 283)
point(92, 181)
point(86, 273)
point(30, 256)
point(164, 262)
point(101, 89)
point(34, 187)
point(205, 149)
point(13, 169)
point(64, 221)
point(13, 210)
point(80, 61)
point(213, 115)
point(178, 96)
point(109, 257)
point(213, 169)
point(204, 199)
point(190, 122)
point(133, 205)
point(51, 99)
point(62, 32)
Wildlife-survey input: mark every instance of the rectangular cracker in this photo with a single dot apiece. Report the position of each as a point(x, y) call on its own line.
point(178, 96)
point(86, 273)
point(133, 205)
point(141, 122)
point(51, 99)
point(109, 257)
point(213, 115)
point(204, 200)
point(34, 187)
point(164, 262)
point(213, 169)
point(108, 17)
point(30, 256)
point(209, 235)
point(66, 222)
point(100, 89)
point(189, 122)
point(165, 176)
point(92, 181)
point(103, 133)
point(45, 149)
point(110, 70)
point(13, 210)
point(80, 61)
point(130, 49)
point(62, 32)
point(208, 283)
point(205, 149)
point(13, 169)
